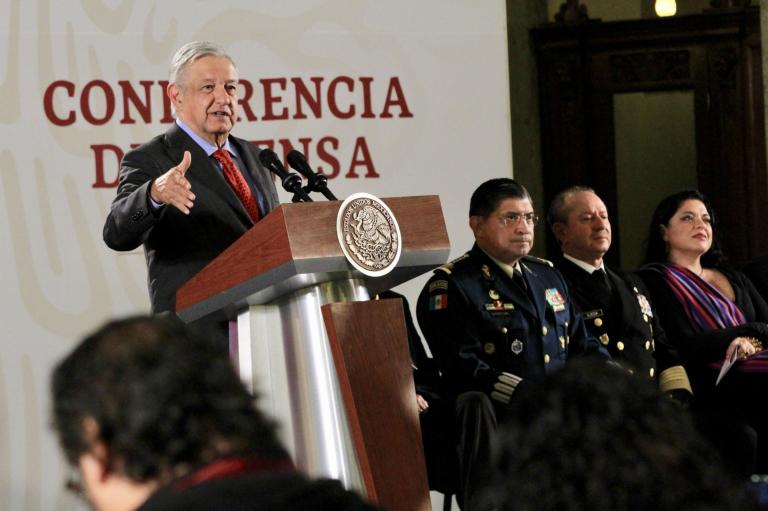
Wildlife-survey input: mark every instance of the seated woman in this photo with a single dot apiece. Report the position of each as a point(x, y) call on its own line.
point(709, 310)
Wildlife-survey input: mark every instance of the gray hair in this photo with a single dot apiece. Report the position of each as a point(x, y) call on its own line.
point(189, 53)
point(557, 210)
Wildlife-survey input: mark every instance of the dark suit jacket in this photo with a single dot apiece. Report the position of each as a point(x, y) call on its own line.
point(478, 323)
point(176, 245)
point(625, 322)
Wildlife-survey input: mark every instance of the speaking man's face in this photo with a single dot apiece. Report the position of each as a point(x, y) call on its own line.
point(205, 98)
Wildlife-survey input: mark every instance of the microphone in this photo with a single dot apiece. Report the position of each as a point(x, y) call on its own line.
point(291, 181)
point(316, 181)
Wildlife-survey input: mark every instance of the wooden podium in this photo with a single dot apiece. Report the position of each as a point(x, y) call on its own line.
point(331, 365)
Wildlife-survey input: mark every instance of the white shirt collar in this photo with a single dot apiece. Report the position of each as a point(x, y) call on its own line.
point(203, 143)
point(584, 265)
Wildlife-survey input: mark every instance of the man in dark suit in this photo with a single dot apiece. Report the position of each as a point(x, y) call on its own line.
point(187, 194)
point(497, 320)
point(614, 304)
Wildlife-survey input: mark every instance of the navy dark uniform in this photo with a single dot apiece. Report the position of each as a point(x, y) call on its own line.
point(489, 334)
point(616, 311)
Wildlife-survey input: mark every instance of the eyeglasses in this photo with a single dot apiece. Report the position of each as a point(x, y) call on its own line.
point(511, 219)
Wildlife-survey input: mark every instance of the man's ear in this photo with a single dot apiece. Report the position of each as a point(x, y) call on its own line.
point(476, 224)
point(173, 91)
point(664, 233)
point(96, 457)
point(94, 468)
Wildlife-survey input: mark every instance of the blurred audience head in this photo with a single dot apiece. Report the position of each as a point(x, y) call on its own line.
point(142, 401)
point(593, 437)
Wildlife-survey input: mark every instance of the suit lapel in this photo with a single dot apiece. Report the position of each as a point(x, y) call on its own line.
point(580, 285)
point(509, 288)
point(630, 307)
point(536, 291)
point(257, 172)
point(496, 280)
point(203, 170)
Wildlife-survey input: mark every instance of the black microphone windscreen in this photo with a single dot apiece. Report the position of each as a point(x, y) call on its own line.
point(267, 157)
point(295, 158)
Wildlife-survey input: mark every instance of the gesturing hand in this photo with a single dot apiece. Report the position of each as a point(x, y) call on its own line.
point(173, 188)
point(742, 344)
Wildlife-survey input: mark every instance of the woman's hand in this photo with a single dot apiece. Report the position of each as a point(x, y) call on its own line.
point(743, 345)
point(421, 403)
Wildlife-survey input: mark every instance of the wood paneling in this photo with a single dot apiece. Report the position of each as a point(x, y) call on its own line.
point(370, 349)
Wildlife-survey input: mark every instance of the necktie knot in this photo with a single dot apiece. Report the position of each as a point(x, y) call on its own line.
point(517, 278)
point(601, 278)
point(221, 155)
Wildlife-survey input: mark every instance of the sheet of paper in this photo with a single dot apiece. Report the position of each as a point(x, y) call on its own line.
point(727, 364)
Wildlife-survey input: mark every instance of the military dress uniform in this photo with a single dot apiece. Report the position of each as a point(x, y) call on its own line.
point(491, 334)
point(616, 310)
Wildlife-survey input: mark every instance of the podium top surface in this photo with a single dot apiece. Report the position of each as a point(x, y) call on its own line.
point(296, 246)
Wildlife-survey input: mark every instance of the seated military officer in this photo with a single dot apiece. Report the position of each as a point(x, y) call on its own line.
point(496, 320)
point(614, 304)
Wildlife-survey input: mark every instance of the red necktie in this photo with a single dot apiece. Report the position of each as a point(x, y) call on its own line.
point(237, 182)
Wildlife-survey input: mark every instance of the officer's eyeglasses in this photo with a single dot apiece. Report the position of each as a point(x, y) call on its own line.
point(511, 219)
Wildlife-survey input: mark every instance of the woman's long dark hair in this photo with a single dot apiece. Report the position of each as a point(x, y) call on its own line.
point(657, 251)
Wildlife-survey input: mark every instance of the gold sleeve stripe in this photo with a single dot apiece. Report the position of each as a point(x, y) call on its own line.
point(510, 379)
point(504, 389)
point(498, 396)
point(674, 378)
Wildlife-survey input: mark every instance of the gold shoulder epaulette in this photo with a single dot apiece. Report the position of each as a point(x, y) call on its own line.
point(447, 268)
point(539, 260)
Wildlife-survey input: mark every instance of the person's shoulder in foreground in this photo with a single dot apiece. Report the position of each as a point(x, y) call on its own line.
point(286, 491)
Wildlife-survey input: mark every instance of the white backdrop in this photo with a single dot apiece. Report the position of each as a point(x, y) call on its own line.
point(428, 81)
